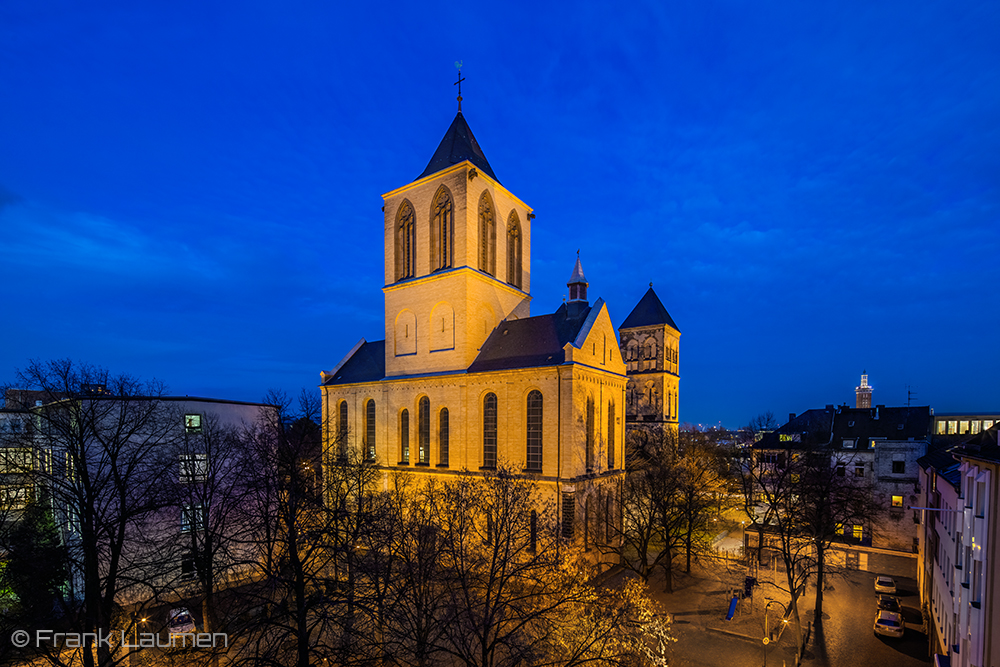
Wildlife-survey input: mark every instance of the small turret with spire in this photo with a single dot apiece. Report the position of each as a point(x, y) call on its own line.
point(577, 290)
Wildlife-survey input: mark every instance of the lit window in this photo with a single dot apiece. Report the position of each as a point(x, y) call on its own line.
point(15, 460)
point(590, 434)
point(424, 431)
point(859, 470)
point(987, 424)
point(490, 431)
point(404, 437)
point(370, 429)
point(897, 501)
point(858, 532)
point(952, 427)
point(192, 517)
point(611, 435)
point(192, 423)
point(848, 443)
point(963, 427)
point(14, 497)
point(534, 434)
point(941, 425)
point(443, 436)
point(342, 432)
point(193, 467)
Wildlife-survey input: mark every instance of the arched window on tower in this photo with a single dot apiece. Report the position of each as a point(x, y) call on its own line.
point(404, 437)
point(514, 250)
point(424, 431)
point(443, 436)
point(370, 429)
point(442, 230)
point(590, 434)
point(406, 242)
point(490, 431)
point(487, 235)
point(342, 432)
point(611, 435)
point(534, 434)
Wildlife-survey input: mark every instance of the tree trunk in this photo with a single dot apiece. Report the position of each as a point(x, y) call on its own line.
point(687, 546)
point(820, 572)
point(668, 574)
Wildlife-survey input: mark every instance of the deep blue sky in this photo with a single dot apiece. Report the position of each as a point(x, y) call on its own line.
point(191, 190)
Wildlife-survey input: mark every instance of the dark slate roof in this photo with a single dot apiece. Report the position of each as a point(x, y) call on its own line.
point(458, 145)
point(862, 424)
point(367, 364)
point(533, 341)
point(983, 445)
point(811, 428)
point(940, 458)
point(648, 312)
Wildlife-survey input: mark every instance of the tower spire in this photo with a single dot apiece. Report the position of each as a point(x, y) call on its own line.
point(458, 65)
point(577, 282)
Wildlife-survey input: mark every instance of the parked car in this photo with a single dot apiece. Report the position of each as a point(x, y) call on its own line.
point(888, 603)
point(885, 584)
point(180, 622)
point(889, 624)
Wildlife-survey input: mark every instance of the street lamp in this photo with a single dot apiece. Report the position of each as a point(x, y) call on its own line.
point(135, 636)
point(767, 637)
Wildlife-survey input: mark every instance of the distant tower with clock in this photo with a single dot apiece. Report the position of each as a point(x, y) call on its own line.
point(863, 392)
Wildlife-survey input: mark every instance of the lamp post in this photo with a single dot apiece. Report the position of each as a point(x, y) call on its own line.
point(767, 637)
point(135, 637)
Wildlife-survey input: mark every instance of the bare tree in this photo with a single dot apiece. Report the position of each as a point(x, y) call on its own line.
point(830, 499)
point(212, 485)
point(100, 442)
point(306, 532)
point(770, 497)
point(510, 587)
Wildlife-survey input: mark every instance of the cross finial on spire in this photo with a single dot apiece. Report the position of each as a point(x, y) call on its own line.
point(458, 65)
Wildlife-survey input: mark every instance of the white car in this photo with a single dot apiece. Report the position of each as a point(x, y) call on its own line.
point(180, 622)
point(889, 624)
point(885, 585)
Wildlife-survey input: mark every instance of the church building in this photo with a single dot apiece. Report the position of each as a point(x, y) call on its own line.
point(465, 378)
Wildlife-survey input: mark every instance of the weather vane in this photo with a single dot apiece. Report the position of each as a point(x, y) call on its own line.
point(458, 65)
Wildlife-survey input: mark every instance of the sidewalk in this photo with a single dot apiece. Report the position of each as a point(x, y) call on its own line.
point(699, 604)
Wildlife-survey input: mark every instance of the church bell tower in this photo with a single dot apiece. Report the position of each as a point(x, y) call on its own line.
point(457, 259)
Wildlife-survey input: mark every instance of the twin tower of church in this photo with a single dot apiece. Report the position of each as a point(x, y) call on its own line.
point(466, 380)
